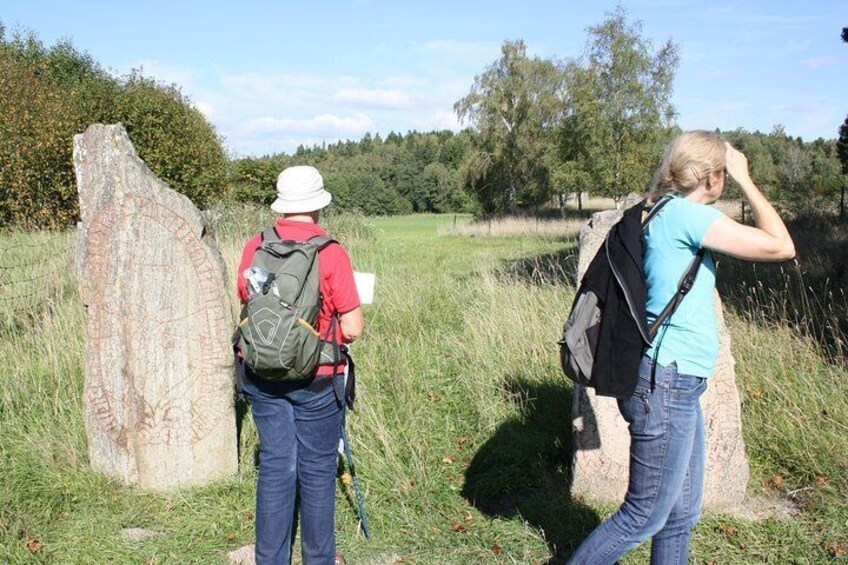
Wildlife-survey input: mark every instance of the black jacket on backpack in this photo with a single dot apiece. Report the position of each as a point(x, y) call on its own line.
point(616, 275)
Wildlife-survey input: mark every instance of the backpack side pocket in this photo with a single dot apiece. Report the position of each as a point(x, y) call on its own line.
point(580, 338)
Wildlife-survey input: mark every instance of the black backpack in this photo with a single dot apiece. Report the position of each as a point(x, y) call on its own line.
point(579, 343)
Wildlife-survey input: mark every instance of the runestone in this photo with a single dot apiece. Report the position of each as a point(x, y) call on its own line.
point(158, 395)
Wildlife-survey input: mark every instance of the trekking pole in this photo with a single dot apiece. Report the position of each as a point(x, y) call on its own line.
point(360, 500)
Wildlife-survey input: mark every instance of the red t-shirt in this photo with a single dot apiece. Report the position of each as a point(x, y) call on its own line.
point(335, 272)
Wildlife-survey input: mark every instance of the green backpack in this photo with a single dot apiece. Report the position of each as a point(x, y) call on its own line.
point(276, 334)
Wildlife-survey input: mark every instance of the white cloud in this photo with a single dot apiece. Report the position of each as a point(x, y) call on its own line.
point(438, 120)
point(797, 108)
point(473, 53)
point(819, 62)
point(414, 87)
point(324, 126)
point(184, 77)
point(779, 22)
point(255, 94)
point(796, 46)
point(405, 81)
point(269, 134)
point(206, 109)
point(265, 82)
point(374, 98)
point(733, 105)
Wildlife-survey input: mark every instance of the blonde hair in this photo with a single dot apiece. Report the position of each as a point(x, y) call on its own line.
point(686, 164)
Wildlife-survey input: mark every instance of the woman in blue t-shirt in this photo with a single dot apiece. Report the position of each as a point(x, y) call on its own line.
point(663, 499)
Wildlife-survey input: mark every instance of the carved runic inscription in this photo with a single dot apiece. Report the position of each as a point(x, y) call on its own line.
point(158, 393)
point(161, 419)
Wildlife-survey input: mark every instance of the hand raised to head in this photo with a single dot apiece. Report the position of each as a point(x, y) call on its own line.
point(736, 163)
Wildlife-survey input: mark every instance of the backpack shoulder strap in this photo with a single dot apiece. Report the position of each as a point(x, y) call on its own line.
point(683, 288)
point(321, 241)
point(270, 234)
point(655, 209)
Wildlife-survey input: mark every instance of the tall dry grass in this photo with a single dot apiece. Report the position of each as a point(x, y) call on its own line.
point(806, 294)
point(518, 226)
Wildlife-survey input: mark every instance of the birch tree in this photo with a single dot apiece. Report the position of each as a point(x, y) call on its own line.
point(618, 106)
point(513, 107)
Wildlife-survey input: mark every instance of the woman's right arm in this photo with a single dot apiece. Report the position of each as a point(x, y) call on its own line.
point(769, 241)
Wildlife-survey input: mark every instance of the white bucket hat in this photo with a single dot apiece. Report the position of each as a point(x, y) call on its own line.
point(300, 189)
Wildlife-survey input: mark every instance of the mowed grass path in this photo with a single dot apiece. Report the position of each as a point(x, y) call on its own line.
point(461, 433)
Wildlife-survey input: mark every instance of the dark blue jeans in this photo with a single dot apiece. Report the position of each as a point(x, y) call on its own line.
point(299, 427)
point(666, 484)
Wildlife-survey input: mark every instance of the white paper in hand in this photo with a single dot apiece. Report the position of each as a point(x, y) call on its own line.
point(365, 286)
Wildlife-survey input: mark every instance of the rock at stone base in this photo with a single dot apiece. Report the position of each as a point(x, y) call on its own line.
point(158, 395)
point(602, 442)
point(138, 534)
point(243, 556)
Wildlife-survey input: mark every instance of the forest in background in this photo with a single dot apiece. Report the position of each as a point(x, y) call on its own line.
point(536, 131)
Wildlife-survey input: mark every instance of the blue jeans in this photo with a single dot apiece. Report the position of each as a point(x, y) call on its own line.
point(664, 494)
point(299, 427)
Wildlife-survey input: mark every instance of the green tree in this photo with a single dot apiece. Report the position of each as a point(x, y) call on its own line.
point(799, 177)
point(757, 147)
point(618, 111)
point(413, 172)
point(513, 108)
point(842, 152)
point(825, 175)
point(42, 104)
point(794, 173)
point(253, 180)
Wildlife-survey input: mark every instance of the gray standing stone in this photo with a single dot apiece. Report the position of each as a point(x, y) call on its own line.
point(602, 442)
point(158, 396)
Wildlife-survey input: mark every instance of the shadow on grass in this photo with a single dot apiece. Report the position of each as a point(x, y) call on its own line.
point(242, 409)
point(559, 268)
point(524, 470)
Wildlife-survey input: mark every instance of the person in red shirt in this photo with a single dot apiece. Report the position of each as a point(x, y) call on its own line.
point(299, 422)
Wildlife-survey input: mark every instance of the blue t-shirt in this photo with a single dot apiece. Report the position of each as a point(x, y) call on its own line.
point(689, 336)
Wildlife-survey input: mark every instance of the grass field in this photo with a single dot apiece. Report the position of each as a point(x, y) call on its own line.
point(462, 430)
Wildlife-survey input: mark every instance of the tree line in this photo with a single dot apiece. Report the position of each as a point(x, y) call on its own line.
point(401, 174)
point(437, 171)
point(536, 130)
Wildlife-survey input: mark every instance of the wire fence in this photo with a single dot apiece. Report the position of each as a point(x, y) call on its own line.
point(33, 269)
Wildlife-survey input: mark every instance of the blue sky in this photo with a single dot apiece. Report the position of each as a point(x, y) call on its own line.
point(273, 75)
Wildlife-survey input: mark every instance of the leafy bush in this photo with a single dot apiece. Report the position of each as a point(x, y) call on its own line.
point(37, 119)
point(47, 95)
point(173, 137)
